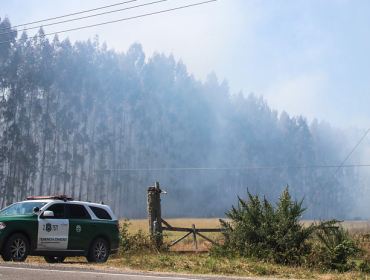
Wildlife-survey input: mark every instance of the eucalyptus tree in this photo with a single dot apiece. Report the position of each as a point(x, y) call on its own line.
point(45, 77)
point(7, 37)
point(19, 149)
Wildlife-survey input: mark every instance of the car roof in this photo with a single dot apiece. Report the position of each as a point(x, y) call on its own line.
point(49, 201)
point(62, 198)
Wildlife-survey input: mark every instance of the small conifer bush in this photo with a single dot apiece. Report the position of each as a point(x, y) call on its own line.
point(256, 228)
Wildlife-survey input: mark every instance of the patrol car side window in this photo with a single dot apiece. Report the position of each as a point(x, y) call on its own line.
point(100, 213)
point(58, 210)
point(77, 211)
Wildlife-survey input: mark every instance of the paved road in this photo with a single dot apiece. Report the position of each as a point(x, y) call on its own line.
point(33, 271)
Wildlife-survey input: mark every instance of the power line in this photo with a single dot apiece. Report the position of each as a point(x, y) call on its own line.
point(336, 171)
point(82, 12)
point(90, 16)
point(327, 183)
point(113, 21)
point(235, 168)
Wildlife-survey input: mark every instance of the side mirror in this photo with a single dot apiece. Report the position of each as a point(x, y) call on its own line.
point(48, 214)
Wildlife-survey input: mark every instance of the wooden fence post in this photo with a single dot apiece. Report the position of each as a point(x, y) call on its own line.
point(155, 212)
point(151, 210)
point(158, 207)
point(195, 239)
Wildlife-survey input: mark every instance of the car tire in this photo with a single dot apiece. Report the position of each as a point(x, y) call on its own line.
point(99, 251)
point(52, 259)
point(16, 248)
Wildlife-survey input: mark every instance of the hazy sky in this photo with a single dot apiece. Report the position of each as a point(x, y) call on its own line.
point(308, 58)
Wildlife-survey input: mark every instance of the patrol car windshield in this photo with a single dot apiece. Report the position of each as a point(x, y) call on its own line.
point(21, 208)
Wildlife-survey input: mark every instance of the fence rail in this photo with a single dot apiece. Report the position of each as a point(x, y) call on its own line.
point(156, 221)
point(192, 230)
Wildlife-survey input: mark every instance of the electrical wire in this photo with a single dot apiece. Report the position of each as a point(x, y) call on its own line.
point(113, 21)
point(236, 168)
point(336, 171)
point(90, 16)
point(82, 12)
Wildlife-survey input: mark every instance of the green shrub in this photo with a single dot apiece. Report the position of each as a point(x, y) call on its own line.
point(332, 249)
point(258, 229)
point(124, 235)
point(343, 267)
point(319, 257)
point(337, 241)
point(258, 224)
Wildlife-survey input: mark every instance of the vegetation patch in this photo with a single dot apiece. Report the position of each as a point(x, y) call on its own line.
point(259, 240)
point(229, 262)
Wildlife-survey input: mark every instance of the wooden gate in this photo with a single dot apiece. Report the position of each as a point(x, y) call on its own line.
point(155, 220)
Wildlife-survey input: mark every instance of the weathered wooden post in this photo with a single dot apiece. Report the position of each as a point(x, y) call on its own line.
point(151, 210)
point(155, 211)
point(195, 239)
point(158, 192)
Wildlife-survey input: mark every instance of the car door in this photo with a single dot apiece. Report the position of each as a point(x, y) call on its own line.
point(81, 227)
point(53, 230)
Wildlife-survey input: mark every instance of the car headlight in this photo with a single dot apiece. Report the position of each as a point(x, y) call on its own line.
point(2, 225)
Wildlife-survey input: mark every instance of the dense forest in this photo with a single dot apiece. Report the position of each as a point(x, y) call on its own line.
point(101, 125)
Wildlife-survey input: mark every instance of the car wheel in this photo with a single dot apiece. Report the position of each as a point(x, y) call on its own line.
point(99, 251)
point(16, 248)
point(51, 259)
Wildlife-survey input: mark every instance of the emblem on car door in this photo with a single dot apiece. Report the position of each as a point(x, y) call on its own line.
point(78, 228)
point(48, 227)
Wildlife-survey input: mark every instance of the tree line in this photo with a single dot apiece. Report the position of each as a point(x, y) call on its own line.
point(102, 125)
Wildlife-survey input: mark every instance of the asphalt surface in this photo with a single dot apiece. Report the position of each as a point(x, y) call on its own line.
point(35, 271)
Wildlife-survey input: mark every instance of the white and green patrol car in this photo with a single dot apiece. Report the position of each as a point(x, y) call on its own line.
point(57, 227)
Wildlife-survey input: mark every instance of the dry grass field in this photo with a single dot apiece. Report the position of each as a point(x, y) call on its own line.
point(357, 226)
point(185, 245)
point(353, 227)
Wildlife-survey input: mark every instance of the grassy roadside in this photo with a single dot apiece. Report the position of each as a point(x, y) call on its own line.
point(203, 264)
point(182, 258)
point(191, 263)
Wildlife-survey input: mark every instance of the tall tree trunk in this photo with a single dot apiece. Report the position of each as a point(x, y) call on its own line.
point(43, 160)
point(66, 166)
